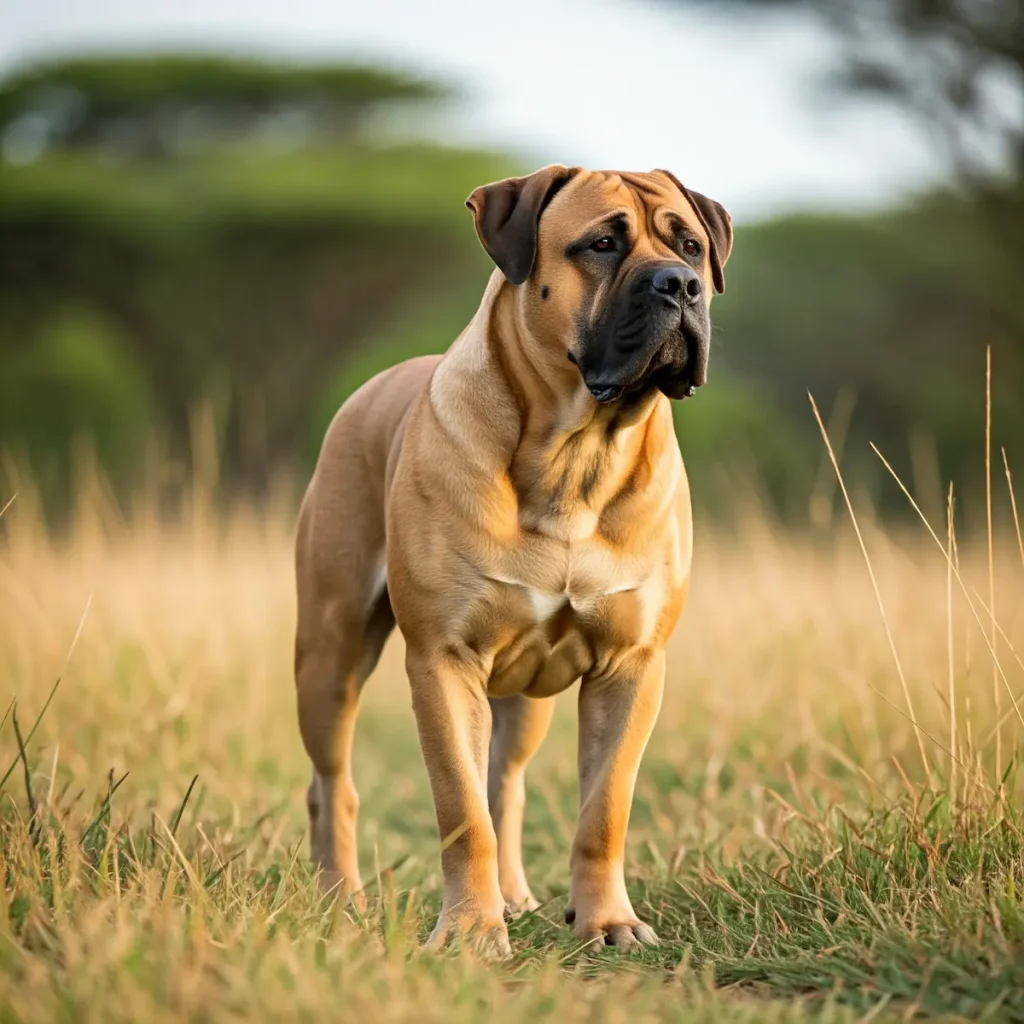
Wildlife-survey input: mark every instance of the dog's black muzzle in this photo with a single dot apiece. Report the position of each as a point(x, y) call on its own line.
point(655, 332)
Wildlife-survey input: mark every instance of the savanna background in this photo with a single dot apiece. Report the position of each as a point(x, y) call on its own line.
point(218, 219)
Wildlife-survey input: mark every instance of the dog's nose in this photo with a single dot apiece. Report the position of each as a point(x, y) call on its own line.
point(680, 283)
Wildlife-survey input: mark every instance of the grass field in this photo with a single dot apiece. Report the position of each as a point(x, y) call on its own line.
point(803, 850)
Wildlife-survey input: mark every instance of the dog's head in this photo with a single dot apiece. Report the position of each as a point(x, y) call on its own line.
point(613, 269)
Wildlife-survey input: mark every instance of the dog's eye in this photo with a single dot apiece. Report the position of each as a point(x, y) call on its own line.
point(691, 247)
point(604, 244)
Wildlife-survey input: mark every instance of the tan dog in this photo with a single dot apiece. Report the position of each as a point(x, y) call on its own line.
point(519, 507)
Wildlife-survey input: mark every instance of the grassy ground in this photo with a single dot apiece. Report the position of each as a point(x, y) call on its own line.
point(790, 845)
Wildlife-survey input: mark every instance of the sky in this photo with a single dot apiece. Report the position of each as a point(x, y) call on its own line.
point(732, 104)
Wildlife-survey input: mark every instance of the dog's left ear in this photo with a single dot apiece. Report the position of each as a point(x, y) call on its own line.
point(717, 223)
point(506, 214)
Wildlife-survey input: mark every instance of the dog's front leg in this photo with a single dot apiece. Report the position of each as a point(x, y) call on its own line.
point(454, 719)
point(616, 715)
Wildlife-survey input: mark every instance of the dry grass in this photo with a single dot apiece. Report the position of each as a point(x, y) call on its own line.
point(787, 843)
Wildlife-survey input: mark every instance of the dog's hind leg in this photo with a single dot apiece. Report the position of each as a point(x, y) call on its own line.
point(333, 659)
point(344, 619)
point(519, 726)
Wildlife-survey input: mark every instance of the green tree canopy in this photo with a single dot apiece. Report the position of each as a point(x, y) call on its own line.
point(169, 103)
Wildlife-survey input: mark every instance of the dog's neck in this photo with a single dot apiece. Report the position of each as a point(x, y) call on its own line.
point(566, 455)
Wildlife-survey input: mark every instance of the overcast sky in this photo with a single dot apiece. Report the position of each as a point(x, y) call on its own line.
point(731, 104)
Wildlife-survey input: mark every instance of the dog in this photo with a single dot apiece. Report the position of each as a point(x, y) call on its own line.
point(520, 508)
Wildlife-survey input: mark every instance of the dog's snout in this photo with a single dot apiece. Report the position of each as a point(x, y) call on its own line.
point(680, 283)
point(668, 281)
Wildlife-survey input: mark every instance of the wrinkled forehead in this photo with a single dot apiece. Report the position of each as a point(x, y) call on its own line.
point(650, 202)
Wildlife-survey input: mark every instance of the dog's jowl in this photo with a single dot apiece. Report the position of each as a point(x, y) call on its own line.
point(520, 508)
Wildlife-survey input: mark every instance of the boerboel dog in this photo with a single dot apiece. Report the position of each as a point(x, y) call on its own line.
point(519, 507)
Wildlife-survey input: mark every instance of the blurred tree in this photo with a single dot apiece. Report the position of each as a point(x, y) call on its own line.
point(226, 228)
point(956, 65)
point(168, 104)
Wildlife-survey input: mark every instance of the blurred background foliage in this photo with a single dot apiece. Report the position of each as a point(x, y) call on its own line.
point(186, 232)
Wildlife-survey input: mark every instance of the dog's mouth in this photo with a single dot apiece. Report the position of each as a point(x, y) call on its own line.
point(677, 369)
point(681, 382)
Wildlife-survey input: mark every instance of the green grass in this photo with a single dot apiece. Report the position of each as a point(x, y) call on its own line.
point(797, 859)
point(114, 911)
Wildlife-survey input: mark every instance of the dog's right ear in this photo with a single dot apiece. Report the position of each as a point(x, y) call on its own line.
point(506, 214)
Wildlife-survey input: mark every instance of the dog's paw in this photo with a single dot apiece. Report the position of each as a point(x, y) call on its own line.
point(486, 937)
point(519, 903)
point(623, 931)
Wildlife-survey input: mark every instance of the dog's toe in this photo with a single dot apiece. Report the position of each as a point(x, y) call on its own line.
point(626, 935)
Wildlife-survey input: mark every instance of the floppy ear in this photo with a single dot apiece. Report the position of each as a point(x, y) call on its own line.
point(506, 214)
point(717, 223)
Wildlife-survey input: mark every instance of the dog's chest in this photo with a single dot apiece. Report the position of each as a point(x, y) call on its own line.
point(558, 612)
